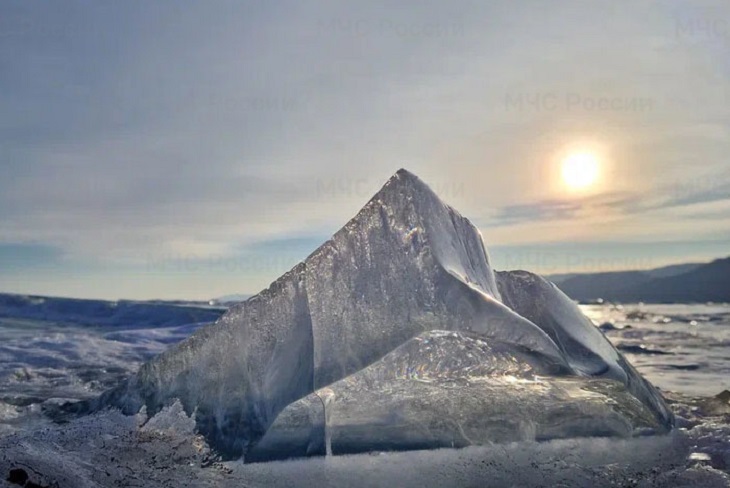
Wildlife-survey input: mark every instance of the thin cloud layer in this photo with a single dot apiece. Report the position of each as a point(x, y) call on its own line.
point(134, 134)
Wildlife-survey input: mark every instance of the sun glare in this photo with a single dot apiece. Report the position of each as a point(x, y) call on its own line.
point(580, 170)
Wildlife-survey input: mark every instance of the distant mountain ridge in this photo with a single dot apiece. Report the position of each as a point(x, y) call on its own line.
point(121, 313)
point(692, 282)
point(229, 299)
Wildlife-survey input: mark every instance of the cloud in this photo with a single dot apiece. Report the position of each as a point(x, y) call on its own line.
point(711, 188)
point(558, 210)
point(21, 256)
point(529, 212)
point(132, 132)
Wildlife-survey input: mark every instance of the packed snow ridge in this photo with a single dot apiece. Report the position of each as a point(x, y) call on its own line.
point(397, 334)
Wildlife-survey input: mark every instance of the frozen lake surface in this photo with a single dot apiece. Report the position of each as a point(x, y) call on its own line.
point(683, 349)
point(678, 347)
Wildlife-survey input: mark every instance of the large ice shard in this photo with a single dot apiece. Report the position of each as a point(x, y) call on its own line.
point(397, 334)
point(451, 389)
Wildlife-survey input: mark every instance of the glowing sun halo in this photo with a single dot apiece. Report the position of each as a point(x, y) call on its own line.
point(580, 170)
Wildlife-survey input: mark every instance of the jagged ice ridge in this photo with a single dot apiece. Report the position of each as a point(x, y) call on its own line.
point(397, 334)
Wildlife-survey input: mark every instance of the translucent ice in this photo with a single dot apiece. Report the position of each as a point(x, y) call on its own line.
point(397, 334)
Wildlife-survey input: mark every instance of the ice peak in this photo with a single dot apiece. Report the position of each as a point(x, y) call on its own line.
point(403, 173)
point(405, 182)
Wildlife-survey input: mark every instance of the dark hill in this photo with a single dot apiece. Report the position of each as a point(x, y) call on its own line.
point(679, 283)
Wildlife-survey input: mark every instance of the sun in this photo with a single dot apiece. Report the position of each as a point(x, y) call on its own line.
point(580, 170)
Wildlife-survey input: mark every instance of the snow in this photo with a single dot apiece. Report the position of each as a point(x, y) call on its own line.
point(110, 449)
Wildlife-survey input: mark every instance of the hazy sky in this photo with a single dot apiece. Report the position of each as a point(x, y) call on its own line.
point(194, 149)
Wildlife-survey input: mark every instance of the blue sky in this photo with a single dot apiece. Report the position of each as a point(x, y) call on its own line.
point(195, 149)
